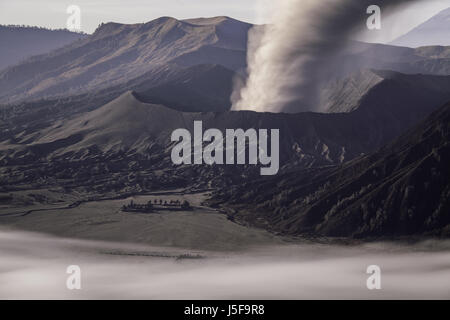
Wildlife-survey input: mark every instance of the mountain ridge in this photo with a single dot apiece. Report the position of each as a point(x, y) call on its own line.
point(117, 53)
point(130, 126)
point(17, 43)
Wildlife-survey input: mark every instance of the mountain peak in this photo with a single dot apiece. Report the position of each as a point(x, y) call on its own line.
point(211, 20)
point(127, 51)
point(110, 28)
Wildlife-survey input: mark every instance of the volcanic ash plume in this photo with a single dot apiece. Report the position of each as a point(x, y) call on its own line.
point(289, 59)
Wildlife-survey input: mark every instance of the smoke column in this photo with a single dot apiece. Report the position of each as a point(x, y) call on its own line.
point(288, 59)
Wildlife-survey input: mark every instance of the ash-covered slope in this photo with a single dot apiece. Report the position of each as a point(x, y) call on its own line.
point(140, 57)
point(127, 123)
point(192, 89)
point(117, 53)
point(129, 135)
point(198, 88)
point(119, 125)
point(379, 91)
point(376, 110)
point(435, 31)
point(403, 189)
point(357, 56)
point(344, 95)
point(18, 43)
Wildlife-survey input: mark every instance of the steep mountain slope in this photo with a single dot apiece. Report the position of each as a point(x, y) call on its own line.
point(433, 60)
point(127, 131)
point(140, 57)
point(344, 95)
point(392, 91)
point(392, 101)
point(116, 54)
point(121, 124)
point(146, 124)
point(196, 88)
point(403, 189)
point(18, 43)
point(191, 89)
point(354, 73)
point(435, 31)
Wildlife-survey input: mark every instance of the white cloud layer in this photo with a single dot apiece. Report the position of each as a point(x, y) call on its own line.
point(34, 266)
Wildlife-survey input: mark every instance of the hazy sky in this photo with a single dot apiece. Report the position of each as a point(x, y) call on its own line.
point(52, 13)
point(402, 21)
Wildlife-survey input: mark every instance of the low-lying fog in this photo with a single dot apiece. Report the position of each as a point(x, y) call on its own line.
point(34, 266)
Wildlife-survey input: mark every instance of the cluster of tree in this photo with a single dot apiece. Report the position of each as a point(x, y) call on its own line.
point(138, 207)
point(23, 26)
point(157, 204)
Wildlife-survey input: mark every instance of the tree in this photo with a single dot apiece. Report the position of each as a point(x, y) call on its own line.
point(185, 205)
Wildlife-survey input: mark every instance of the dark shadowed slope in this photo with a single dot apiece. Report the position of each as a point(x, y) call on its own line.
point(193, 89)
point(403, 189)
point(129, 134)
point(392, 92)
point(116, 53)
point(385, 111)
point(435, 31)
point(18, 43)
point(190, 89)
point(141, 57)
point(425, 60)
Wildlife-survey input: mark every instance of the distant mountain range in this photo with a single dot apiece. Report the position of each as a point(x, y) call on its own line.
point(155, 61)
point(94, 119)
point(129, 130)
point(159, 56)
point(18, 43)
point(435, 31)
point(116, 54)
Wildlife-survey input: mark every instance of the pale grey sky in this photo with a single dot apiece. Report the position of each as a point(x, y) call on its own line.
point(403, 20)
point(52, 13)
